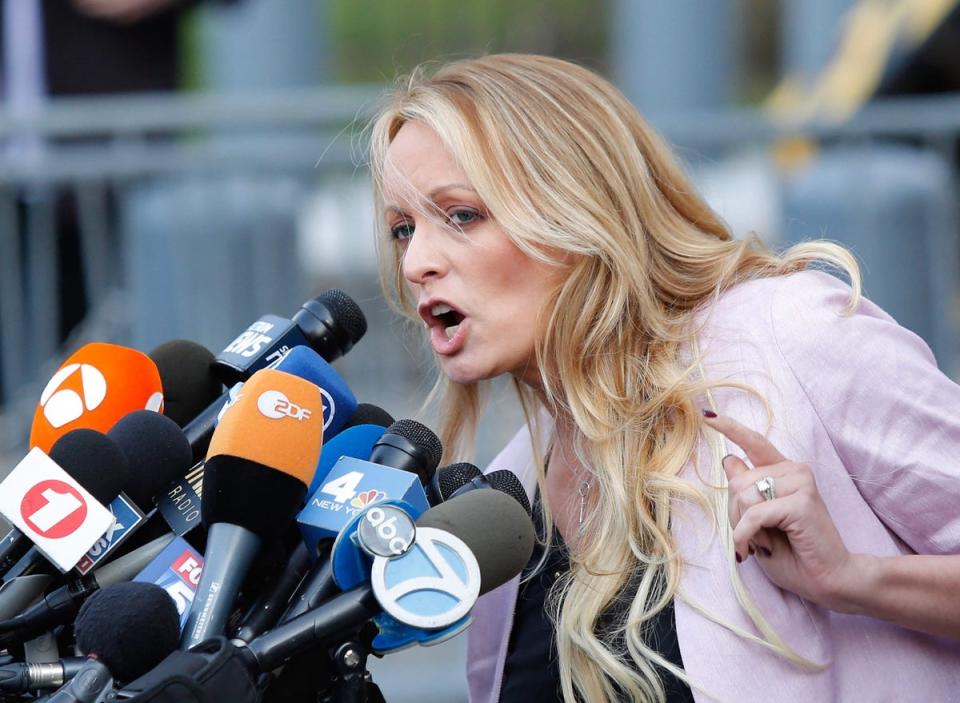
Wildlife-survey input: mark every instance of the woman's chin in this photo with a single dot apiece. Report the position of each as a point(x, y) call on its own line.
point(461, 371)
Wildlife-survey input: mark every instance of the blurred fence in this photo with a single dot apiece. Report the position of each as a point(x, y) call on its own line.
point(195, 215)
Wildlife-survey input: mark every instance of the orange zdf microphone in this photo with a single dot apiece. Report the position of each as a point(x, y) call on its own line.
point(93, 389)
point(261, 459)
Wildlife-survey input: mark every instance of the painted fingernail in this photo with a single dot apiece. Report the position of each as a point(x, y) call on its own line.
point(708, 413)
point(739, 558)
point(764, 552)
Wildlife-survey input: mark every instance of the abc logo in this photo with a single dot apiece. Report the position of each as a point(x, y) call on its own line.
point(53, 509)
point(62, 405)
point(276, 405)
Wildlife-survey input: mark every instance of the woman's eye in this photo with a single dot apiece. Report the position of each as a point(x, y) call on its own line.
point(401, 231)
point(463, 217)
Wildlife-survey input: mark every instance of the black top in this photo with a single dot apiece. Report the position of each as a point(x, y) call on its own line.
point(531, 667)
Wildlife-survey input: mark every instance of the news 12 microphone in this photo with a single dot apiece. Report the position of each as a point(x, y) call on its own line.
point(365, 426)
point(261, 459)
point(124, 630)
point(189, 384)
point(62, 517)
point(330, 324)
point(498, 535)
point(93, 388)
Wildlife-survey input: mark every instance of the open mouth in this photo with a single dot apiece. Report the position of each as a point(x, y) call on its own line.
point(446, 317)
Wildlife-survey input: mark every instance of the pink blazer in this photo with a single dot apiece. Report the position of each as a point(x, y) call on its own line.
point(858, 398)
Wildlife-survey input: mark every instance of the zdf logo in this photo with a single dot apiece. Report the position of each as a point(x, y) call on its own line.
point(276, 405)
point(62, 404)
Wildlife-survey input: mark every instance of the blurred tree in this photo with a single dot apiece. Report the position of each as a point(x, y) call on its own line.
point(376, 40)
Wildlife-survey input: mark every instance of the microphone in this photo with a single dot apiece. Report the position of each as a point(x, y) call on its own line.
point(125, 630)
point(261, 458)
point(179, 505)
point(70, 452)
point(102, 469)
point(329, 324)
point(186, 372)
point(460, 479)
point(23, 677)
point(356, 440)
point(407, 447)
point(93, 388)
point(492, 525)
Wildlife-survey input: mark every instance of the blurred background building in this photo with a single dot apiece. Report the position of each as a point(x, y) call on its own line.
point(177, 169)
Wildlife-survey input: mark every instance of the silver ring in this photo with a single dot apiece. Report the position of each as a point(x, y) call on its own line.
point(765, 486)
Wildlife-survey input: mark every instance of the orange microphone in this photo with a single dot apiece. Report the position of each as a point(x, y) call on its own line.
point(93, 389)
point(261, 459)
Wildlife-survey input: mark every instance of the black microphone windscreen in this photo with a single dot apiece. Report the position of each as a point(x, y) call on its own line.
point(507, 482)
point(346, 312)
point(130, 627)
point(421, 436)
point(157, 452)
point(94, 460)
point(367, 414)
point(495, 528)
point(247, 493)
point(189, 385)
point(450, 478)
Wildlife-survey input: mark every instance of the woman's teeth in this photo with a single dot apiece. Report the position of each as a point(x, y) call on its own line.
point(451, 331)
point(440, 309)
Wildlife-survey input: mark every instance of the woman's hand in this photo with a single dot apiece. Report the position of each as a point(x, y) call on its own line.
point(793, 536)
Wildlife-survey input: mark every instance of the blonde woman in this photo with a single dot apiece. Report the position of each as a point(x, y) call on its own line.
point(737, 460)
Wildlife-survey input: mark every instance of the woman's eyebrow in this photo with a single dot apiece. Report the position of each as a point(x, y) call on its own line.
point(432, 196)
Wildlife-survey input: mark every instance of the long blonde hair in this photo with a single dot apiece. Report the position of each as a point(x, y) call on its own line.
point(574, 176)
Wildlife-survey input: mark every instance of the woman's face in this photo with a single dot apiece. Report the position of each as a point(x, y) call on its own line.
point(477, 293)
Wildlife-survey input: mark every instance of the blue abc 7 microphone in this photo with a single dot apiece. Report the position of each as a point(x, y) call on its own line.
point(330, 324)
point(357, 438)
point(180, 505)
point(400, 462)
point(261, 459)
point(468, 546)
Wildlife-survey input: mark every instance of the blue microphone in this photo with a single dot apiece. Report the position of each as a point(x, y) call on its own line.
point(356, 442)
point(339, 403)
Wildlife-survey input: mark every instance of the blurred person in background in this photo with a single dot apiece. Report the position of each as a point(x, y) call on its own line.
point(57, 48)
point(745, 473)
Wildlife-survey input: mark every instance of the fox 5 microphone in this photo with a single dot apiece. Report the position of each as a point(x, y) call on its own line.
point(261, 459)
point(330, 324)
point(189, 384)
point(93, 388)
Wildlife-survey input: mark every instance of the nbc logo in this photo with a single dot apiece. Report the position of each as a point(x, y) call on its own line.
point(365, 498)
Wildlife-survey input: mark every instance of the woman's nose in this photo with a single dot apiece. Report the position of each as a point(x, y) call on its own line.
point(424, 258)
